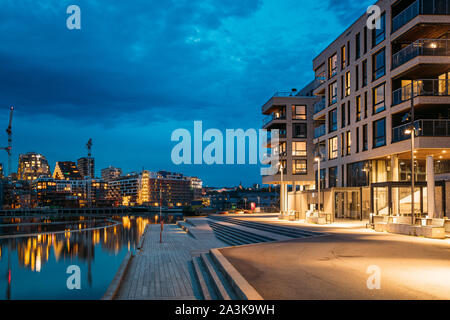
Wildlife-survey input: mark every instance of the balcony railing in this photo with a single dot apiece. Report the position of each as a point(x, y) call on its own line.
point(282, 94)
point(319, 106)
point(428, 7)
point(423, 87)
point(319, 131)
point(423, 47)
point(424, 127)
point(405, 16)
point(272, 117)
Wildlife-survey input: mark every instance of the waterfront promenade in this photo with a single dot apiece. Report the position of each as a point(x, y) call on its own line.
point(293, 261)
point(163, 270)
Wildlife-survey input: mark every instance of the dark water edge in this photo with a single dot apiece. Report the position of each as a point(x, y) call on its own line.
point(34, 267)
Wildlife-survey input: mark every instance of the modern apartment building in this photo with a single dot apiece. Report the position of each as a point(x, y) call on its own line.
point(376, 84)
point(111, 173)
point(32, 166)
point(291, 113)
point(86, 165)
point(155, 189)
point(66, 170)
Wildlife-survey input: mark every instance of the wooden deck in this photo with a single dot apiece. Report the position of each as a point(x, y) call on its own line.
point(164, 271)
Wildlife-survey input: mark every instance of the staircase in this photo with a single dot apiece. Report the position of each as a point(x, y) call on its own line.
point(235, 237)
point(211, 281)
point(281, 230)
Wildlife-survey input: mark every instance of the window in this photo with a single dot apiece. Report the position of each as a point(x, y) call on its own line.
point(342, 87)
point(332, 93)
point(348, 112)
point(358, 108)
point(332, 66)
point(364, 136)
point(349, 142)
point(356, 78)
point(280, 149)
point(357, 46)
point(299, 148)
point(357, 140)
point(299, 130)
point(343, 115)
point(299, 112)
point(348, 52)
point(347, 83)
point(364, 73)
point(365, 39)
point(299, 167)
point(378, 64)
point(332, 120)
point(356, 176)
point(378, 99)
point(379, 133)
point(342, 145)
point(365, 105)
point(332, 177)
point(378, 35)
point(343, 58)
point(332, 148)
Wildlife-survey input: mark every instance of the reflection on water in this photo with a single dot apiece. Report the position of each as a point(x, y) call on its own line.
point(34, 267)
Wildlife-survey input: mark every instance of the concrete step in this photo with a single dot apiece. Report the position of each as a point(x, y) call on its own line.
point(236, 240)
point(282, 230)
point(245, 236)
point(201, 278)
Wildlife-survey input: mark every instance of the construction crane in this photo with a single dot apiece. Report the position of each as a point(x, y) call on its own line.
point(9, 132)
point(89, 148)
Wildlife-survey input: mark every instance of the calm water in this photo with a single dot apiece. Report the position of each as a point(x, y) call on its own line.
point(34, 267)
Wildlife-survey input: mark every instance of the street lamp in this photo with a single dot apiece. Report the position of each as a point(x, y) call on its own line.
point(317, 159)
point(412, 132)
point(280, 165)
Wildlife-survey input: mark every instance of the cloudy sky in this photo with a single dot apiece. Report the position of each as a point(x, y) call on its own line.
point(139, 69)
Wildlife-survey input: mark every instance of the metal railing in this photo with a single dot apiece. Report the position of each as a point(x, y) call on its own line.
point(428, 7)
point(319, 106)
point(269, 118)
point(405, 16)
point(424, 127)
point(285, 94)
point(422, 47)
point(319, 131)
point(421, 87)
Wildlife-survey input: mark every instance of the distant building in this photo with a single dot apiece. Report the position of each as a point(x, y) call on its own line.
point(66, 170)
point(111, 173)
point(49, 192)
point(146, 187)
point(86, 167)
point(32, 166)
point(241, 199)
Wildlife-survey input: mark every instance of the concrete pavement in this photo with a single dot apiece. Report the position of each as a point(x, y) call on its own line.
point(335, 266)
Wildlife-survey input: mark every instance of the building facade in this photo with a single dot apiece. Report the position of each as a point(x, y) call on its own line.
point(66, 170)
point(111, 173)
point(32, 166)
point(376, 84)
point(86, 166)
point(291, 113)
point(155, 189)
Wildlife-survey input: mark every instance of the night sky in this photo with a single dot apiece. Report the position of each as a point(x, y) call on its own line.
point(140, 69)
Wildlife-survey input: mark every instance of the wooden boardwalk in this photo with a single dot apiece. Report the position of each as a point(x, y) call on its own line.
point(164, 271)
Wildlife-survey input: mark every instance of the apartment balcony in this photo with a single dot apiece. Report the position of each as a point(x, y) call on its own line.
point(278, 97)
point(319, 131)
point(423, 47)
point(424, 128)
point(420, 7)
point(437, 88)
point(320, 81)
point(272, 119)
point(319, 106)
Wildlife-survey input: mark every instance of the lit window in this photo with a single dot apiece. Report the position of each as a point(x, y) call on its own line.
point(332, 148)
point(299, 167)
point(299, 148)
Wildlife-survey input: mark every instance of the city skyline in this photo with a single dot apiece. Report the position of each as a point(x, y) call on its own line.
point(126, 92)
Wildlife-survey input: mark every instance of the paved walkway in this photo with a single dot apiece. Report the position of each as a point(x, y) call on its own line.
point(163, 271)
point(335, 266)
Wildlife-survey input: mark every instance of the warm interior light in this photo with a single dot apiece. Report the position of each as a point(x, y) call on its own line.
point(433, 45)
point(408, 131)
point(316, 159)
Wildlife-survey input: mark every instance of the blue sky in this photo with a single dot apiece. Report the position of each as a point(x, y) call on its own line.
point(137, 70)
